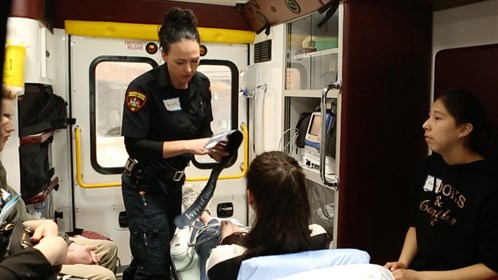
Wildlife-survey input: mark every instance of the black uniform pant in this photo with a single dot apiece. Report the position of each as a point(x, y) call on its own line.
point(151, 206)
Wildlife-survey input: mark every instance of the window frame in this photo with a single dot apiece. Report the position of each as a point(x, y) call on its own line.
point(93, 106)
point(93, 122)
point(234, 112)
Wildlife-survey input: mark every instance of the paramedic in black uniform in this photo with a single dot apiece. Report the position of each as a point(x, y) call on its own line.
point(166, 120)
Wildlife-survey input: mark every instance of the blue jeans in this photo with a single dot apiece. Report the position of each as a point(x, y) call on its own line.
point(203, 250)
point(151, 206)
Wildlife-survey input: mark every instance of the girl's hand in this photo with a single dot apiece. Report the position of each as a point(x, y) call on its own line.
point(406, 274)
point(46, 228)
point(392, 266)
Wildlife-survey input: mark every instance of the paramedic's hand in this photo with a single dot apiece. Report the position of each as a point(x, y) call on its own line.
point(81, 254)
point(197, 146)
point(228, 228)
point(219, 151)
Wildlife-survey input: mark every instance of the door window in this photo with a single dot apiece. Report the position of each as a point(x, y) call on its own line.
point(110, 77)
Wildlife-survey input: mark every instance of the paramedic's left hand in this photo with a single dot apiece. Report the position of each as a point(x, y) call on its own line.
point(78, 254)
point(219, 151)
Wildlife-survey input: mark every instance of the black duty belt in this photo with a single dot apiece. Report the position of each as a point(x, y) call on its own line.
point(161, 174)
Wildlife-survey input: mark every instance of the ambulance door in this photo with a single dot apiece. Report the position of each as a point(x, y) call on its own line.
point(100, 71)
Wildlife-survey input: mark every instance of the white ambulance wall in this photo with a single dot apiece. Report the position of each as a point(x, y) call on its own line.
point(38, 68)
point(40, 58)
point(269, 106)
point(61, 153)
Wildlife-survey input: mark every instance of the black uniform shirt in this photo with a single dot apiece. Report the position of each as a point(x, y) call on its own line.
point(156, 111)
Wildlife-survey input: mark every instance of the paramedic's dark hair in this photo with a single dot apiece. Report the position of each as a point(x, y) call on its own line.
point(278, 185)
point(465, 107)
point(179, 24)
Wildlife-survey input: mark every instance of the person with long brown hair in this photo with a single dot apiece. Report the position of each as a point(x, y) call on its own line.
point(276, 191)
point(453, 231)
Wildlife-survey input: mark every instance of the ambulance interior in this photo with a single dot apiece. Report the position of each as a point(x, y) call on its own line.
point(390, 58)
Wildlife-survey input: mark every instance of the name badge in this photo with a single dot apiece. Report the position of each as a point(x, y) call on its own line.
point(429, 183)
point(172, 104)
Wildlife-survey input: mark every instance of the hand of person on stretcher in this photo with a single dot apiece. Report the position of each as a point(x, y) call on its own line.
point(228, 228)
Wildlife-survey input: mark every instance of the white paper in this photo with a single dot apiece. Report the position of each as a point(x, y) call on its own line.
point(217, 138)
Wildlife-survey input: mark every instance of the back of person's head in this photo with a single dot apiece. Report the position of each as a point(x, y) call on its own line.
point(179, 24)
point(278, 187)
point(466, 107)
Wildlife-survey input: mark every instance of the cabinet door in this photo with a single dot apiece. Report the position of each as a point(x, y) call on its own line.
point(312, 52)
point(385, 75)
point(313, 63)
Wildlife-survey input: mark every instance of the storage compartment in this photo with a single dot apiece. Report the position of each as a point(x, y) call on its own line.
point(36, 170)
point(41, 110)
point(313, 63)
point(312, 52)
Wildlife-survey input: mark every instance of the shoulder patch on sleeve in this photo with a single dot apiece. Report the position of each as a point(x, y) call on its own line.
point(135, 100)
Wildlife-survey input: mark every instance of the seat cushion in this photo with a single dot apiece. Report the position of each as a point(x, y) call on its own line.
point(345, 272)
point(270, 267)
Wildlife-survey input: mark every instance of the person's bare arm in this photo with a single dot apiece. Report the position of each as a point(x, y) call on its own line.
point(473, 272)
point(194, 146)
point(54, 248)
point(407, 253)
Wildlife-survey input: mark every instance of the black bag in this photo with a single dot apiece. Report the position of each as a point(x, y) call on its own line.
point(36, 172)
point(14, 237)
point(41, 110)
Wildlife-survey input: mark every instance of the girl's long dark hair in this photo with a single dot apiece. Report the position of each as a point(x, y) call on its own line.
point(465, 107)
point(278, 185)
point(179, 24)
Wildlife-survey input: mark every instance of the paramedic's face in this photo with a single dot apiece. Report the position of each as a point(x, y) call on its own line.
point(442, 133)
point(182, 59)
point(7, 124)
